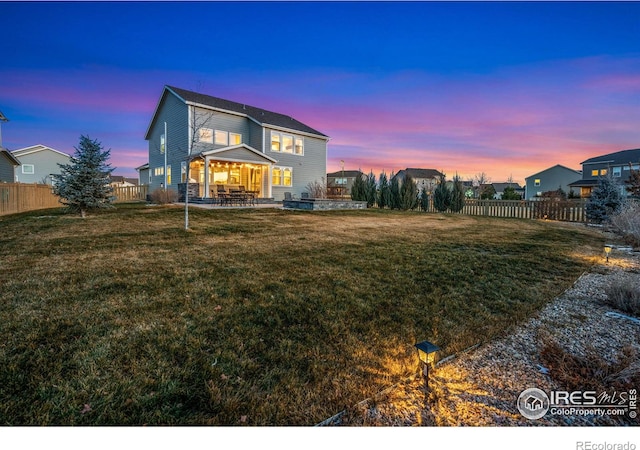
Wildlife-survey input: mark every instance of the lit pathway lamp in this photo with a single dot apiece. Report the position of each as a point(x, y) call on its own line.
point(607, 251)
point(427, 354)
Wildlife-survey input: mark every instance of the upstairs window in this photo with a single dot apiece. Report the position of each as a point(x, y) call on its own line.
point(299, 148)
point(28, 169)
point(594, 173)
point(603, 172)
point(275, 141)
point(235, 139)
point(222, 138)
point(205, 135)
point(536, 182)
point(287, 143)
point(616, 171)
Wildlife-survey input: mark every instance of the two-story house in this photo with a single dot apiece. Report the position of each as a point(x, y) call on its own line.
point(617, 164)
point(38, 163)
point(231, 145)
point(427, 178)
point(551, 179)
point(339, 183)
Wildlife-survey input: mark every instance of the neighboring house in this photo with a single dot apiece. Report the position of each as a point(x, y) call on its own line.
point(143, 174)
point(38, 163)
point(340, 183)
point(423, 177)
point(618, 164)
point(500, 187)
point(8, 163)
point(231, 144)
point(551, 179)
point(120, 181)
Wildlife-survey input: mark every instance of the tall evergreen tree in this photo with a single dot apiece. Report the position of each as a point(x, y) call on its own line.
point(358, 188)
point(510, 193)
point(370, 189)
point(408, 193)
point(394, 192)
point(83, 184)
point(633, 183)
point(424, 199)
point(442, 195)
point(457, 195)
point(606, 199)
point(384, 192)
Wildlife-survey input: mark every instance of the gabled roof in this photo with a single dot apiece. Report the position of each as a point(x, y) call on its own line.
point(420, 173)
point(34, 149)
point(142, 167)
point(7, 154)
point(258, 115)
point(577, 172)
point(621, 157)
point(345, 173)
point(219, 152)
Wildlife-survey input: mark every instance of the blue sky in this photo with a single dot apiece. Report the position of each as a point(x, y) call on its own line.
point(506, 88)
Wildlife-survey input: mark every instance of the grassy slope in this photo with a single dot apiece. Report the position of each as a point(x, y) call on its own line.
point(262, 317)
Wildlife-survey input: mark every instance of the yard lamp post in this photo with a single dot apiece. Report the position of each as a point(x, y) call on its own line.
point(427, 355)
point(607, 250)
point(342, 182)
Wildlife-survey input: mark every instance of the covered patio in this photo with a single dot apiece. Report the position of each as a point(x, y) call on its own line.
point(238, 172)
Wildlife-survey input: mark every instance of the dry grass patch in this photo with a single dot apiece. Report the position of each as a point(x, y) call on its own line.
point(254, 317)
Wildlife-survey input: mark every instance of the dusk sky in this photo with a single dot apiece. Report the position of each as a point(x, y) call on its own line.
point(505, 88)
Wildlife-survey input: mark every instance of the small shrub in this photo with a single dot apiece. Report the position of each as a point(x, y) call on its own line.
point(164, 196)
point(627, 222)
point(625, 296)
point(317, 189)
point(591, 371)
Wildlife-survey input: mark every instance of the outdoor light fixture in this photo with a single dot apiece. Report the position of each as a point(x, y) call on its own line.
point(607, 250)
point(427, 354)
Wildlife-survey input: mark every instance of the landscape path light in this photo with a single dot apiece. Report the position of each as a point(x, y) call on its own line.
point(427, 355)
point(607, 250)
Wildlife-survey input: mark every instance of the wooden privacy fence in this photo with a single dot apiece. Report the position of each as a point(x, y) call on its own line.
point(131, 193)
point(565, 210)
point(20, 197)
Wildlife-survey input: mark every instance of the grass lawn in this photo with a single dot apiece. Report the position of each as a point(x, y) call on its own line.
point(253, 317)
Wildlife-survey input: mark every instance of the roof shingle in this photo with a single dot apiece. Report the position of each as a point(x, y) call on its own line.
point(260, 115)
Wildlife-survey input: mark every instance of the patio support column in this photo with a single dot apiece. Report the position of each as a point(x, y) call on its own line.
point(267, 179)
point(206, 176)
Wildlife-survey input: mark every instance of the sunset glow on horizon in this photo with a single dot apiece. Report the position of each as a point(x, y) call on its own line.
point(508, 89)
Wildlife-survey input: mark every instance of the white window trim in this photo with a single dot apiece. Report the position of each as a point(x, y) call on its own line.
point(536, 182)
point(294, 138)
point(209, 139)
point(25, 172)
point(282, 169)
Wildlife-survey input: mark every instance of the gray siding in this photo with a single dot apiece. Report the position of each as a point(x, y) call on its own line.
point(45, 163)
point(219, 121)
point(6, 169)
point(550, 180)
point(174, 112)
point(255, 135)
point(307, 168)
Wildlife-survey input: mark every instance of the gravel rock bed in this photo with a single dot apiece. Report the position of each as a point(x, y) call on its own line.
point(480, 387)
